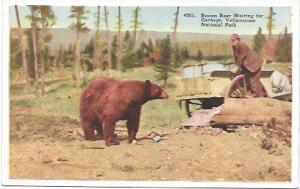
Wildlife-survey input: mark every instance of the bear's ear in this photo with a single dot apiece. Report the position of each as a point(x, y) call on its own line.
point(147, 86)
point(147, 82)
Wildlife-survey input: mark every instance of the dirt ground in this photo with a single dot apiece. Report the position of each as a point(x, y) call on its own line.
point(51, 148)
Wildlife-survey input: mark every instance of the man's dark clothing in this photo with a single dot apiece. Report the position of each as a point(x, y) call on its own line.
point(250, 63)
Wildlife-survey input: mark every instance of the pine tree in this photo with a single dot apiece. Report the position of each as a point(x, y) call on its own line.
point(34, 18)
point(199, 55)
point(97, 37)
point(142, 53)
point(87, 56)
point(150, 45)
point(59, 58)
point(270, 22)
point(15, 58)
point(127, 36)
point(107, 39)
point(270, 45)
point(106, 13)
point(113, 53)
point(144, 49)
point(289, 42)
point(119, 26)
point(127, 40)
point(79, 14)
point(177, 61)
point(136, 24)
point(129, 58)
point(22, 46)
point(47, 19)
point(259, 41)
point(29, 53)
point(185, 54)
point(284, 47)
point(163, 67)
point(90, 48)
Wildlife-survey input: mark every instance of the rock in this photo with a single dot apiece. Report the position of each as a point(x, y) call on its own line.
point(157, 167)
point(62, 158)
point(127, 154)
point(127, 168)
point(46, 159)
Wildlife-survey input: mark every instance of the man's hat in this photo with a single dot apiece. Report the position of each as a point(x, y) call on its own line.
point(235, 36)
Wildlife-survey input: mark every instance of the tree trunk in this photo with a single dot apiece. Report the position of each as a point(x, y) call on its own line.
point(58, 60)
point(108, 34)
point(106, 19)
point(35, 53)
point(97, 41)
point(136, 12)
point(77, 54)
point(23, 51)
point(119, 35)
point(42, 44)
point(175, 26)
point(270, 22)
point(165, 83)
point(119, 27)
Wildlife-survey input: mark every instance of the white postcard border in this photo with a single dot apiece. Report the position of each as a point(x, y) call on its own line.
point(5, 95)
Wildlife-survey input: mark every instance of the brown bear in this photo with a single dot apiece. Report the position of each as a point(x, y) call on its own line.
point(105, 101)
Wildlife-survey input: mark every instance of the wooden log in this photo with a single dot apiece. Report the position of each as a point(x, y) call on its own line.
point(246, 120)
point(274, 116)
point(248, 111)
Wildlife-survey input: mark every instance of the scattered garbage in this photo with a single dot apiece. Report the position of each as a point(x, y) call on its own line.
point(156, 137)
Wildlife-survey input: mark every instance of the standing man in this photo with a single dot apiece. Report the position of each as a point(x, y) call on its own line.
point(250, 63)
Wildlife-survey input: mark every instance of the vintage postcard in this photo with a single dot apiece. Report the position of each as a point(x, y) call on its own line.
point(150, 94)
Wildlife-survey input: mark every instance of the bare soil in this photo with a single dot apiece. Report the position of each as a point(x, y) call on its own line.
point(52, 148)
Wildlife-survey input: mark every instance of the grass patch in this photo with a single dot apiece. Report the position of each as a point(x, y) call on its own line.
point(62, 99)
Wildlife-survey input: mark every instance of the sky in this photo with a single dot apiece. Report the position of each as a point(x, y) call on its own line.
point(162, 18)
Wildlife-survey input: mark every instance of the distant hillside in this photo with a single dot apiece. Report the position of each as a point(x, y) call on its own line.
point(65, 36)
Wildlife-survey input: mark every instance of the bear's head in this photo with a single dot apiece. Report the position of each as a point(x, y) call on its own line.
point(153, 91)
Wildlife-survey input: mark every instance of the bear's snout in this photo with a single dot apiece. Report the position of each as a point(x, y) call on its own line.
point(164, 95)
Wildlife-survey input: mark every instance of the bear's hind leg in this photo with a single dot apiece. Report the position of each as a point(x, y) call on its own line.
point(98, 127)
point(108, 133)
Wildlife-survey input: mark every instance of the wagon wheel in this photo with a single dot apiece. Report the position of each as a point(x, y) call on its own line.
point(238, 88)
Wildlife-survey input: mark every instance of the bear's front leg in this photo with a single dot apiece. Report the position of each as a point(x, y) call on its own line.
point(88, 130)
point(108, 133)
point(133, 126)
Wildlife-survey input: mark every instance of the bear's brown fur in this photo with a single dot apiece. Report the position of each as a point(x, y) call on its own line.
point(105, 101)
